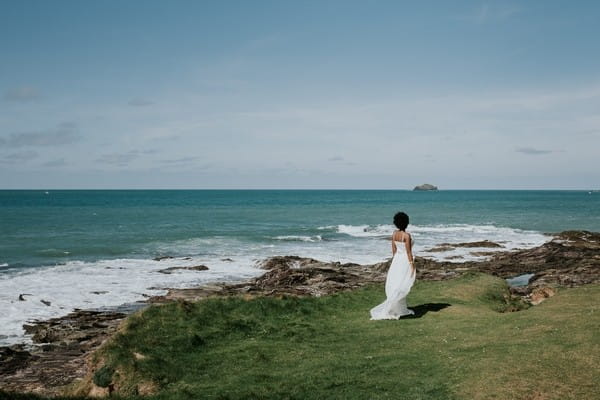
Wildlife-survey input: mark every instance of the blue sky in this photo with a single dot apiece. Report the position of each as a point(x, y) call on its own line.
point(303, 94)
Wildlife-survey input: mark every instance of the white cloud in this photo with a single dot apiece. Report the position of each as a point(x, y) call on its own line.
point(118, 159)
point(532, 151)
point(64, 133)
point(17, 158)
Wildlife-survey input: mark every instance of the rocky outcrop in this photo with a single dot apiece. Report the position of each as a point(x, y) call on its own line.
point(570, 259)
point(291, 275)
point(425, 187)
point(60, 357)
point(172, 269)
point(540, 294)
point(160, 258)
point(481, 243)
point(451, 246)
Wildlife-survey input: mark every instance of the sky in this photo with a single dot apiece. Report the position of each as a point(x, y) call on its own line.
point(299, 94)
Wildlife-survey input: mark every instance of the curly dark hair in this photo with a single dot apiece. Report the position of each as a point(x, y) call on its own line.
point(401, 220)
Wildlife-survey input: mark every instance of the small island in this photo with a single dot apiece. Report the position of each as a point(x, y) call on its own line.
point(425, 187)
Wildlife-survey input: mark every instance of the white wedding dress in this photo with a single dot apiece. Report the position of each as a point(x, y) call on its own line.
point(397, 285)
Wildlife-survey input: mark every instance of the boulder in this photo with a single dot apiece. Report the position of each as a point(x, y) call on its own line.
point(194, 268)
point(160, 258)
point(540, 294)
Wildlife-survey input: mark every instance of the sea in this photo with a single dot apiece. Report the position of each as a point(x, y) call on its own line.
point(97, 249)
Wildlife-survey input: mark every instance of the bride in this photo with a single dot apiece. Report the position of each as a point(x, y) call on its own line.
point(401, 274)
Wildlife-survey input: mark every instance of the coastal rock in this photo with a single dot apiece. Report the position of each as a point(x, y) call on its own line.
point(439, 249)
point(76, 327)
point(481, 243)
point(290, 275)
point(451, 246)
point(483, 253)
point(69, 342)
point(195, 268)
point(570, 259)
point(278, 262)
point(540, 294)
point(382, 266)
point(191, 294)
point(306, 276)
point(425, 187)
point(314, 280)
point(160, 258)
point(561, 261)
point(13, 359)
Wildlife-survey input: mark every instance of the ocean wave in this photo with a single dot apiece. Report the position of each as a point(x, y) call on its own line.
point(364, 230)
point(300, 238)
point(430, 236)
point(3, 265)
point(385, 230)
point(195, 246)
point(54, 252)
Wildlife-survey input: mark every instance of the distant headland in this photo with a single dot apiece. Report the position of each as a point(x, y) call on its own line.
point(425, 186)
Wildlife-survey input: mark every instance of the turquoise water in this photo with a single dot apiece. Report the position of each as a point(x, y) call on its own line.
point(40, 228)
point(91, 249)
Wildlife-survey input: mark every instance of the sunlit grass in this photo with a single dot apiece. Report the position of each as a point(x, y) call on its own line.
point(327, 348)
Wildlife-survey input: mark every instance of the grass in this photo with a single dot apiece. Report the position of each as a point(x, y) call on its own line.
point(317, 348)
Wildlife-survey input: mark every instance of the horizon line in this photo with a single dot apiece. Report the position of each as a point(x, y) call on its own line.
point(300, 189)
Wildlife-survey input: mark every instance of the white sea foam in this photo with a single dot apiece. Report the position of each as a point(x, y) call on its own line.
point(316, 238)
point(364, 230)
point(427, 237)
point(3, 265)
point(100, 284)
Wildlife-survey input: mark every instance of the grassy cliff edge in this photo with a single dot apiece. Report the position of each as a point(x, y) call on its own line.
point(460, 346)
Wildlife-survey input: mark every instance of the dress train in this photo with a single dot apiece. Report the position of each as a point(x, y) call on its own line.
point(398, 283)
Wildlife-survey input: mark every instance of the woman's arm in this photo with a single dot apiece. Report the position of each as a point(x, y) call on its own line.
point(411, 259)
point(393, 245)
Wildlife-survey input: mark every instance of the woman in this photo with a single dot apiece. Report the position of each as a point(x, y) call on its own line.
point(401, 274)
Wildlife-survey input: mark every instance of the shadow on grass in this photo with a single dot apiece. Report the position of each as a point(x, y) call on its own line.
point(423, 309)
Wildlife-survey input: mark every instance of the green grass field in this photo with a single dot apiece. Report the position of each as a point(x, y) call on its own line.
point(458, 347)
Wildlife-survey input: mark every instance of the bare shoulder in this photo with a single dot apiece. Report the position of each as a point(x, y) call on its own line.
point(401, 236)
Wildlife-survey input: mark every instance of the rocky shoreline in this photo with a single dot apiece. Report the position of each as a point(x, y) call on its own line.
point(63, 346)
